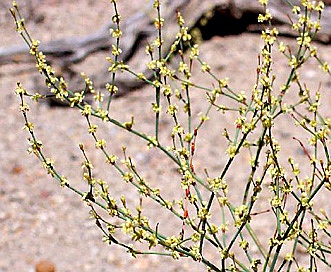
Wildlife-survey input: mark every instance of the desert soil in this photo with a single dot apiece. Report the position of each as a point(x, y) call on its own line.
point(41, 221)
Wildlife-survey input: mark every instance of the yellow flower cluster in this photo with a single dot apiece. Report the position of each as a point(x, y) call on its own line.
point(241, 215)
point(264, 17)
point(217, 184)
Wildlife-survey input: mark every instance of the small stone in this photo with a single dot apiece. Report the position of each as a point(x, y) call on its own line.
point(45, 266)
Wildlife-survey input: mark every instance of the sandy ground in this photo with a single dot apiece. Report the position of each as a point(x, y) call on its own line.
point(41, 221)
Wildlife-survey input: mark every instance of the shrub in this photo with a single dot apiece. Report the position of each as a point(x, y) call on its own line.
point(212, 224)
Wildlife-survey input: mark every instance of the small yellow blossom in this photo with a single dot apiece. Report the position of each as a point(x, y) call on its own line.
point(158, 23)
point(63, 181)
point(172, 109)
point(172, 241)
point(98, 97)
point(223, 83)
point(48, 164)
point(24, 107)
point(157, 42)
point(28, 126)
point(156, 4)
point(127, 177)
point(180, 19)
point(115, 50)
point(92, 129)
point(205, 67)
point(194, 51)
point(100, 143)
point(281, 47)
point(128, 125)
point(77, 98)
point(34, 47)
point(296, 10)
point(112, 89)
point(152, 141)
point(111, 159)
point(244, 244)
point(156, 108)
point(116, 18)
point(35, 146)
point(102, 114)
point(325, 67)
point(116, 33)
point(185, 35)
point(204, 213)
point(320, 6)
point(264, 17)
point(167, 90)
point(264, 2)
point(87, 110)
point(231, 151)
point(224, 227)
point(20, 90)
point(177, 129)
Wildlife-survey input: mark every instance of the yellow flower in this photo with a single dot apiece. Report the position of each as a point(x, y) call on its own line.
point(34, 47)
point(128, 177)
point(116, 18)
point(325, 67)
point(264, 17)
point(111, 159)
point(28, 126)
point(304, 39)
point(156, 108)
point(152, 141)
point(116, 33)
point(183, 68)
point(35, 146)
point(320, 6)
point(158, 23)
point(244, 244)
point(100, 143)
point(296, 10)
point(172, 109)
point(177, 129)
point(231, 151)
point(77, 98)
point(112, 89)
point(167, 90)
point(128, 125)
point(156, 4)
point(195, 237)
point(87, 110)
point(194, 52)
point(115, 50)
point(98, 97)
point(49, 166)
point(102, 114)
point(185, 35)
point(217, 183)
point(281, 47)
point(180, 19)
point(92, 129)
point(63, 181)
point(205, 67)
point(204, 213)
point(24, 107)
point(157, 42)
point(264, 2)
point(20, 90)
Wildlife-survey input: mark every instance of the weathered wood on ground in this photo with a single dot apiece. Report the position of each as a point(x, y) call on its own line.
point(139, 30)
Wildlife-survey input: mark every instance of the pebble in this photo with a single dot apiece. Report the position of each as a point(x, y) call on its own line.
point(45, 266)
